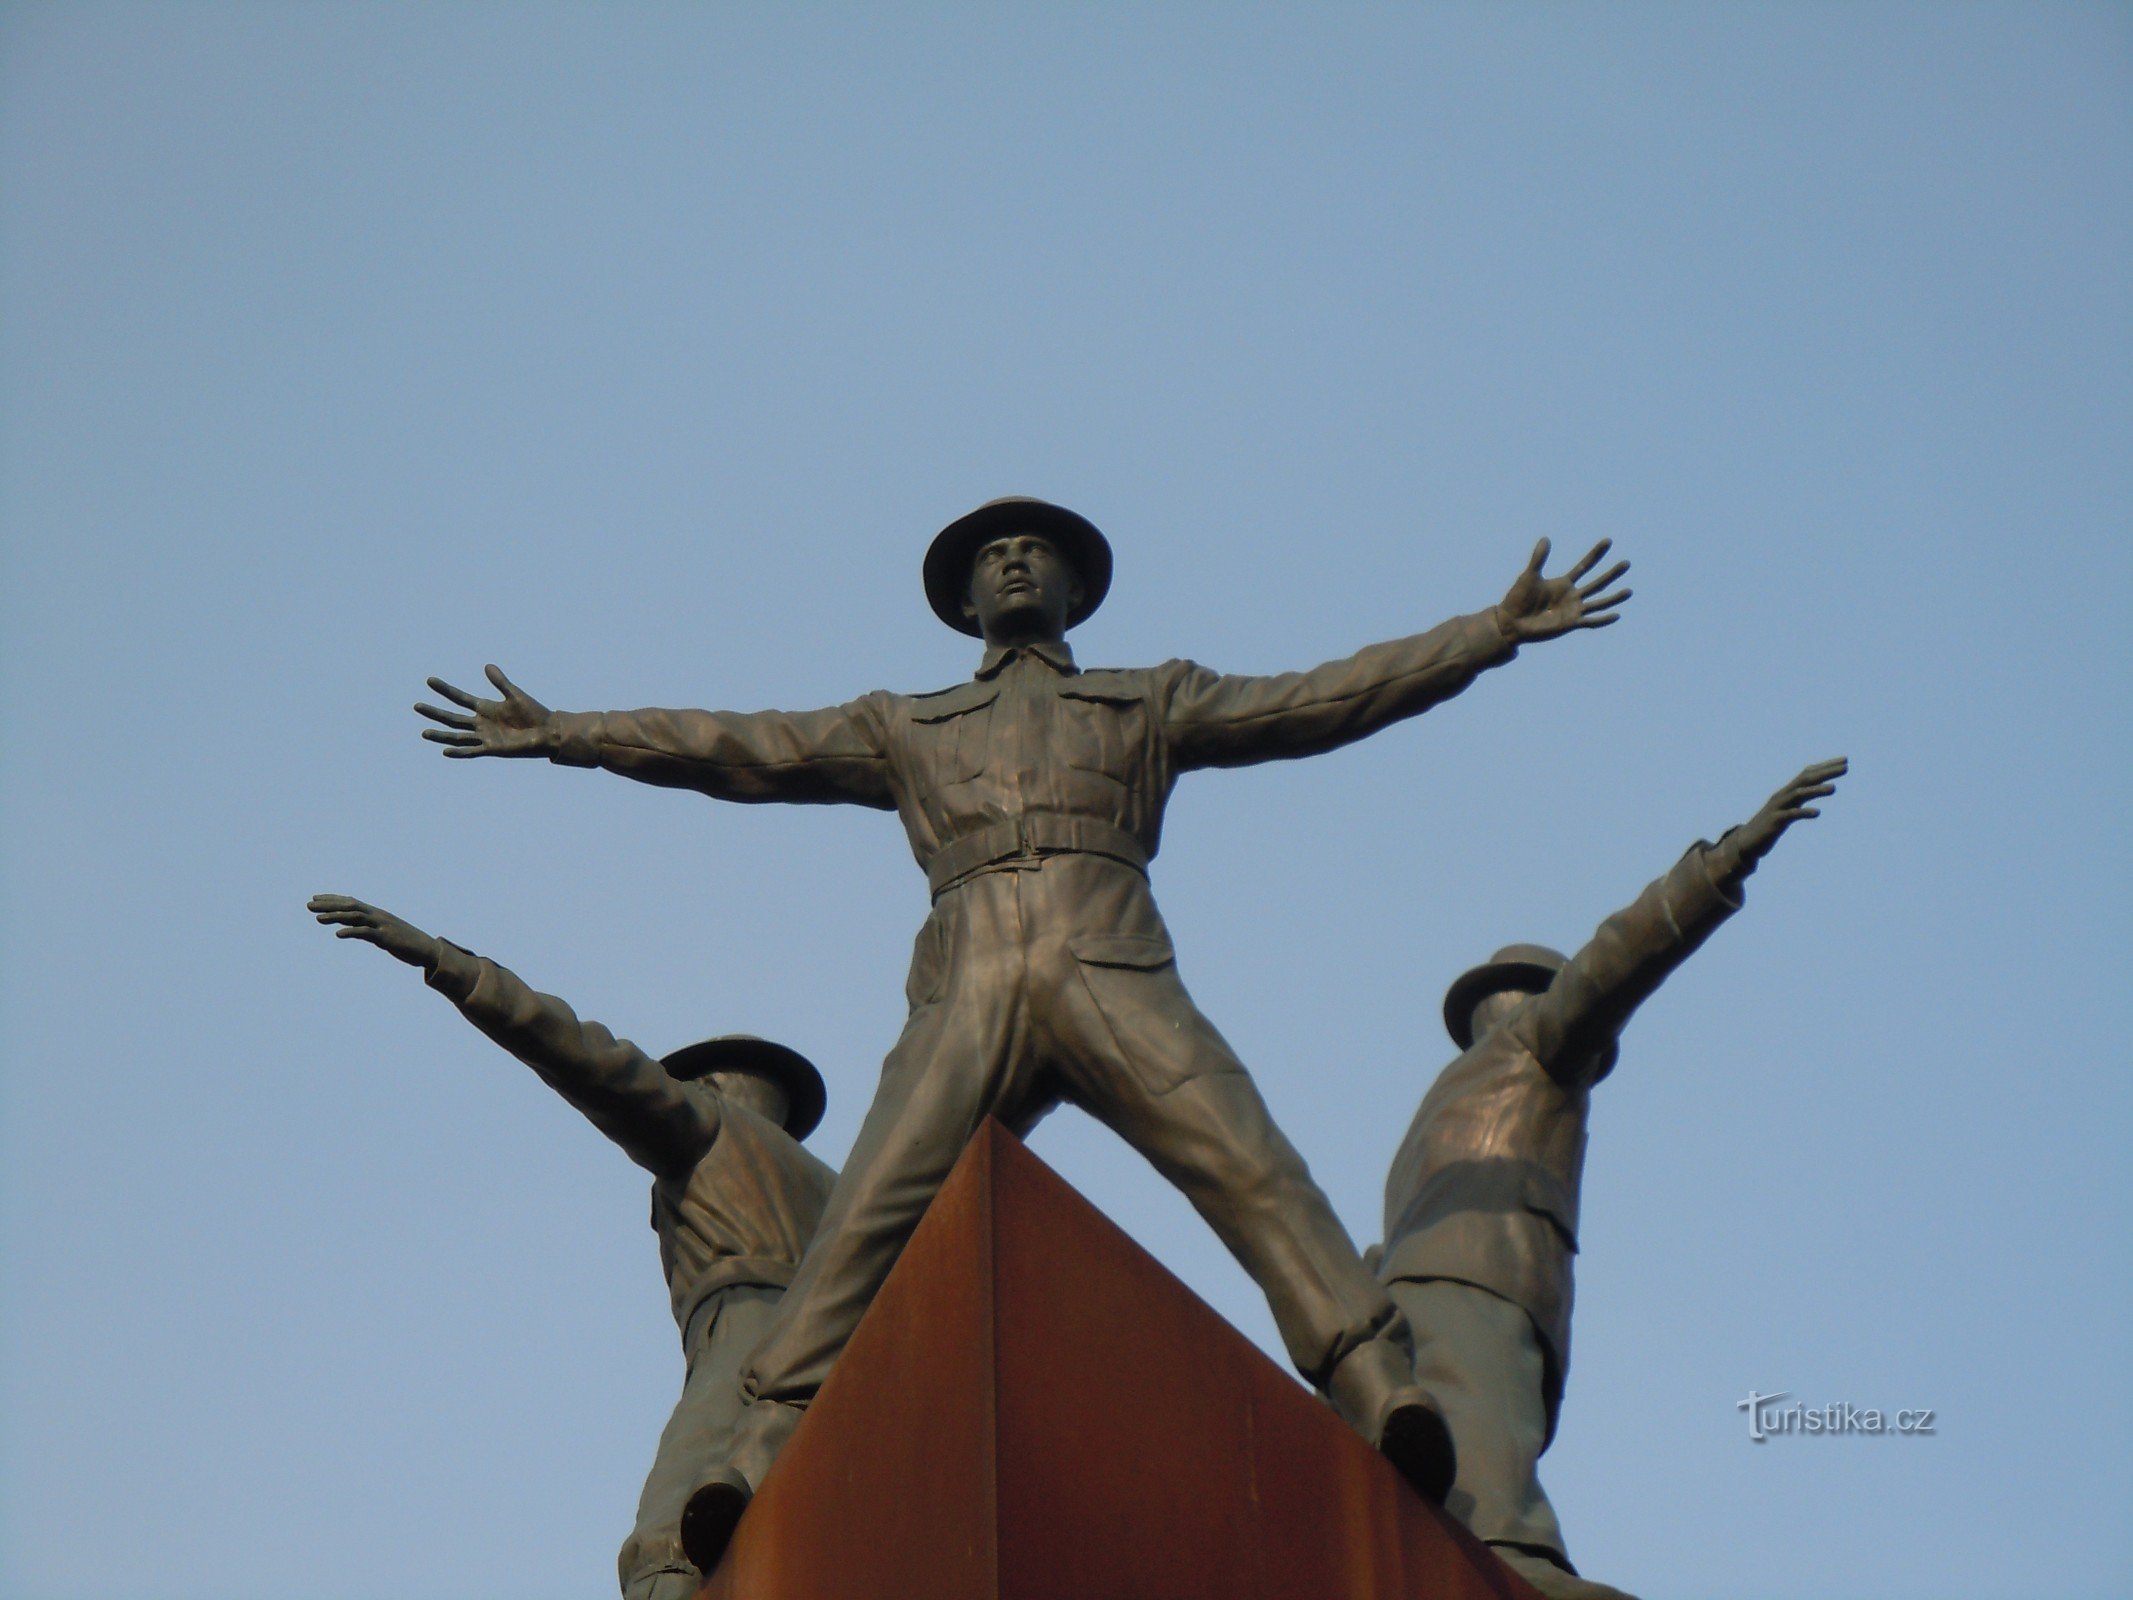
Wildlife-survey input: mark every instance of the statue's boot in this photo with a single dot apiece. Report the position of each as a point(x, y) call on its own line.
point(1555, 1581)
point(1374, 1390)
point(714, 1510)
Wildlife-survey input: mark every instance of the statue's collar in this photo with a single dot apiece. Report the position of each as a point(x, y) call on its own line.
point(1054, 653)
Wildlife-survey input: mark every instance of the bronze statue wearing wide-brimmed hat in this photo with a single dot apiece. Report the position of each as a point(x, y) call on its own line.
point(1033, 797)
point(1520, 968)
point(1481, 1206)
point(955, 547)
point(735, 1198)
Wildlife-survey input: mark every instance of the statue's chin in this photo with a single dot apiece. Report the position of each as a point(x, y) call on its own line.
point(1024, 623)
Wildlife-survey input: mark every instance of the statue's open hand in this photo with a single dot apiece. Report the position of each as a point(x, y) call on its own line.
point(517, 725)
point(1751, 841)
point(352, 919)
point(1546, 608)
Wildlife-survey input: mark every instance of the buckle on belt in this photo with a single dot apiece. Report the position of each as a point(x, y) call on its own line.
point(1023, 843)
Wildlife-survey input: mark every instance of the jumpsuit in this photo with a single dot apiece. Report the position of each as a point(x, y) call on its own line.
point(1033, 798)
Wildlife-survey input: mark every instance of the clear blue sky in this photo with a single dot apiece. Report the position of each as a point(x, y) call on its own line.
point(641, 349)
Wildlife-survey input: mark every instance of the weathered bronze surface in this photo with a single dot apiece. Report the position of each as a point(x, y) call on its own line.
point(1033, 798)
point(1481, 1207)
point(735, 1197)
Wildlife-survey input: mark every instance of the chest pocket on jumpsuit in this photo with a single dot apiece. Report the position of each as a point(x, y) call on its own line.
point(949, 734)
point(1100, 724)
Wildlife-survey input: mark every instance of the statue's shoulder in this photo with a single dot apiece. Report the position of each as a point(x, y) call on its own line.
point(1481, 1067)
point(800, 1169)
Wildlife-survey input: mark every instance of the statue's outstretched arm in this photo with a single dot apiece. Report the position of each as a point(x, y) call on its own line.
point(627, 1095)
point(1736, 855)
point(1635, 949)
point(833, 756)
point(1226, 720)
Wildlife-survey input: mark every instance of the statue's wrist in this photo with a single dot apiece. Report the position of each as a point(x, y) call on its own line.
point(571, 738)
point(1725, 860)
point(451, 969)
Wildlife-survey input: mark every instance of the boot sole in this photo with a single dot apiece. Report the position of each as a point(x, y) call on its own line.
point(708, 1521)
point(1417, 1442)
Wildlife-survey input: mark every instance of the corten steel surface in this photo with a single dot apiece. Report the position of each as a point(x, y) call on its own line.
point(1034, 1409)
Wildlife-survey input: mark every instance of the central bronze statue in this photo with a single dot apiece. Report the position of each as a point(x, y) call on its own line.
point(1033, 797)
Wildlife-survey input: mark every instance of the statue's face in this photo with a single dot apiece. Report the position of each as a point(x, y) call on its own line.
point(1021, 588)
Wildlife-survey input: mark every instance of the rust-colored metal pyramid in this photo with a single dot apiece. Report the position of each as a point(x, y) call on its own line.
point(1034, 1409)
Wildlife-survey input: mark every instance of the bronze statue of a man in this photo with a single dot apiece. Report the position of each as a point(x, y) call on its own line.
point(1481, 1207)
point(735, 1197)
point(1033, 798)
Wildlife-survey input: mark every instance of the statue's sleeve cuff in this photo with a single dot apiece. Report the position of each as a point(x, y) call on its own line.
point(577, 739)
point(1726, 890)
point(453, 970)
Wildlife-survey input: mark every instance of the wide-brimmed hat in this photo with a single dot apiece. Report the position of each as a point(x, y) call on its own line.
point(805, 1095)
point(953, 549)
point(1528, 967)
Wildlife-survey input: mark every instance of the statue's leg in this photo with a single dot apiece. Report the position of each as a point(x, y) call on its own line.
point(1153, 1069)
point(1138, 1055)
point(923, 1114)
point(961, 1053)
point(1483, 1363)
point(927, 1109)
point(697, 1438)
point(962, 1057)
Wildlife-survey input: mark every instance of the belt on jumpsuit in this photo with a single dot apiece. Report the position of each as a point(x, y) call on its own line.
point(1025, 838)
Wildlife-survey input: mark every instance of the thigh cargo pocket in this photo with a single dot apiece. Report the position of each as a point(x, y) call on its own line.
point(1129, 952)
point(1157, 1034)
